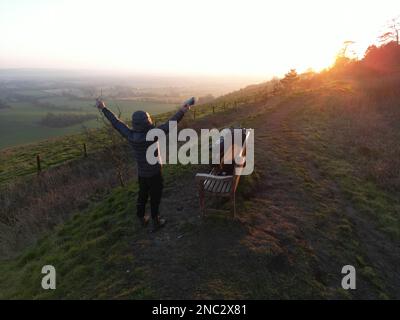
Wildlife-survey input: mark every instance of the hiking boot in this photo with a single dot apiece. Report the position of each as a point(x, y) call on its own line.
point(144, 221)
point(158, 223)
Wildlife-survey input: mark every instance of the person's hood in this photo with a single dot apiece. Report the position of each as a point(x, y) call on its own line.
point(141, 121)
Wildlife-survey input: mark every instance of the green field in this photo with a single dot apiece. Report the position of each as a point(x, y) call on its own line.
point(20, 124)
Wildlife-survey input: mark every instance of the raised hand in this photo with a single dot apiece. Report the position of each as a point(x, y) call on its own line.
point(188, 103)
point(100, 104)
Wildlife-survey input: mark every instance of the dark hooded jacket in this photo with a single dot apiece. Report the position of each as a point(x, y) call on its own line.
point(137, 138)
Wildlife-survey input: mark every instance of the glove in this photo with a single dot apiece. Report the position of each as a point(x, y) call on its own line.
point(100, 104)
point(188, 103)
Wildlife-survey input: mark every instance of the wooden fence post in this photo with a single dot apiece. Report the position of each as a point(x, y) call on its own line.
point(84, 150)
point(213, 107)
point(121, 180)
point(39, 167)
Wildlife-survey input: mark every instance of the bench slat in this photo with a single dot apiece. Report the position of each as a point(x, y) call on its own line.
point(207, 184)
point(228, 187)
point(219, 187)
point(211, 185)
point(217, 184)
point(222, 190)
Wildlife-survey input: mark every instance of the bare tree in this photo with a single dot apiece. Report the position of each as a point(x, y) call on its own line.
point(345, 55)
point(346, 51)
point(392, 32)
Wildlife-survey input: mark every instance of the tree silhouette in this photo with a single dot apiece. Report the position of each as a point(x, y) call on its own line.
point(385, 58)
point(290, 79)
point(345, 55)
point(392, 32)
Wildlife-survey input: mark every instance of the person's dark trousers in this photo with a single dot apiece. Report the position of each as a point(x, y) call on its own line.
point(149, 186)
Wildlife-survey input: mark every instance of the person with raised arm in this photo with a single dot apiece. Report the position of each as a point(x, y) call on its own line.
point(149, 175)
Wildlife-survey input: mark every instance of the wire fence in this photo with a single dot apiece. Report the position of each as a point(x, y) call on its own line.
point(43, 161)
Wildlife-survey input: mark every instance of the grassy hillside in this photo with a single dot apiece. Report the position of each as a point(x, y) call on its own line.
point(20, 161)
point(21, 123)
point(325, 193)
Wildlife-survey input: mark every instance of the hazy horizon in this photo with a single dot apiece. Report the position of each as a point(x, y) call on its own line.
point(129, 73)
point(213, 84)
point(250, 39)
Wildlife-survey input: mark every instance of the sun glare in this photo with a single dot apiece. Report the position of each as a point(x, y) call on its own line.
point(208, 37)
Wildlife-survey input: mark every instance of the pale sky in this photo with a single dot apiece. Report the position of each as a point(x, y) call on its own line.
point(210, 37)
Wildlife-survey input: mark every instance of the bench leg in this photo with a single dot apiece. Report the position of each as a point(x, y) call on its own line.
point(201, 201)
point(234, 205)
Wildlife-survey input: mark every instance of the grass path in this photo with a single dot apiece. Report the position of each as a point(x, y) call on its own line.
point(309, 199)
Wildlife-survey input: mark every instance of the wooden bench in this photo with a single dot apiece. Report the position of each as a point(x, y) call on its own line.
point(216, 184)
